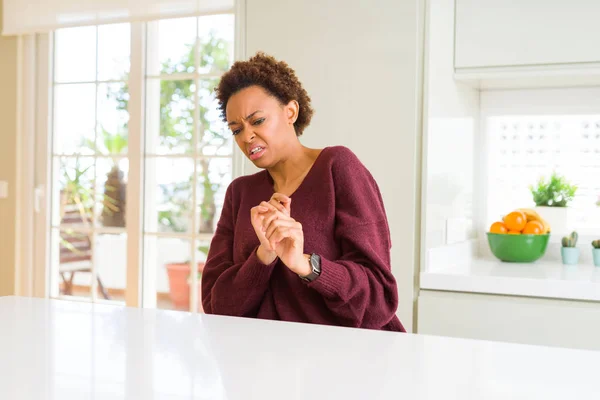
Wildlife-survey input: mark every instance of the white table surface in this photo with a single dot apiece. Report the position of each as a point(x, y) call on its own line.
point(66, 350)
point(540, 279)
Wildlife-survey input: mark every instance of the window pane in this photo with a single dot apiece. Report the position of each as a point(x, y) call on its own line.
point(73, 255)
point(170, 116)
point(215, 136)
point(113, 51)
point(169, 260)
point(168, 203)
point(110, 256)
point(74, 191)
point(215, 43)
point(111, 184)
point(74, 118)
point(75, 54)
point(175, 42)
point(214, 176)
point(113, 118)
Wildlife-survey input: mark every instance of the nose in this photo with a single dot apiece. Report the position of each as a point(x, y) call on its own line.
point(248, 135)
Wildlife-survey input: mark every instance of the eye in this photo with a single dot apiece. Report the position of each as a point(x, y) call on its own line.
point(258, 121)
point(235, 132)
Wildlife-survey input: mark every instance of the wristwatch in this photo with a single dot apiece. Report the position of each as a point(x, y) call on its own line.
point(315, 264)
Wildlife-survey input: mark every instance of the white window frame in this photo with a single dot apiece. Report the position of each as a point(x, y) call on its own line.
point(38, 277)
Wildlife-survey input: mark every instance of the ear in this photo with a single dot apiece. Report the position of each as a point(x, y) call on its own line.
point(292, 109)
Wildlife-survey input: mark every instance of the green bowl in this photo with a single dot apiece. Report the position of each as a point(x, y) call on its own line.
point(518, 248)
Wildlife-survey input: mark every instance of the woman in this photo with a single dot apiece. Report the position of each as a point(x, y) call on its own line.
point(307, 238)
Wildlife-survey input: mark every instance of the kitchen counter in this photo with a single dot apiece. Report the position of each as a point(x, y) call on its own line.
point(52, 349)
point(539, 279)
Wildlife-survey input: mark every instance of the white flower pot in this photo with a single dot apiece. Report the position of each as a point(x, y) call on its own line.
point(558, 218)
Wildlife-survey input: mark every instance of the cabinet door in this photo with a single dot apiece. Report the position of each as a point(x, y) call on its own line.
point(547, 322)
point(499, 33)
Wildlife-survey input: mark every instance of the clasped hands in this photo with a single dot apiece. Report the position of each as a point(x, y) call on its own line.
point(279, 234)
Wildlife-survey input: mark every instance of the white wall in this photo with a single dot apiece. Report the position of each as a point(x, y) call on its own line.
point(8, 161)
point(360, 63)
point(451, 126)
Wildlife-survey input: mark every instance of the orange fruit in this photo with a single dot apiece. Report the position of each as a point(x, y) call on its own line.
point(498, 227)
point(514, 232)
point(533, 227)
point(515, 221)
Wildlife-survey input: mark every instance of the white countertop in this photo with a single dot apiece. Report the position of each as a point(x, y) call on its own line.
point(65, 350)
point(539, 279)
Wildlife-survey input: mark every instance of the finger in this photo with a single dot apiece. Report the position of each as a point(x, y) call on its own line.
point(284, 233)
point(280, 207)
point(277, 212)
point(268, 205)
point(278, 235)
point(284, 200)
point(257, 219)
point(254, 211)
point(268, 220)
point(289, 223)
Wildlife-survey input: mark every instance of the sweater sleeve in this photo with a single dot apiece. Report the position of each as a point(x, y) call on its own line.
point(230, 288)
point(358, 288)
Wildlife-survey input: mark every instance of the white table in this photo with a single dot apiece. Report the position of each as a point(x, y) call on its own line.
point(67, 350)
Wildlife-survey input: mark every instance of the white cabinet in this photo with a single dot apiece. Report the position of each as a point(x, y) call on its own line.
point(526, 33)
point(562, 323)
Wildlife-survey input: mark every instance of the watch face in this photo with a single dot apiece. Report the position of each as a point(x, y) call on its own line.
point(315, 263)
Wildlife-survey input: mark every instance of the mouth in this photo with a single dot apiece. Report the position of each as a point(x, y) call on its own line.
point(256, 152)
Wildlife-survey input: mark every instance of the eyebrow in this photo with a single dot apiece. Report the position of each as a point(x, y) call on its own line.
point(248, 117)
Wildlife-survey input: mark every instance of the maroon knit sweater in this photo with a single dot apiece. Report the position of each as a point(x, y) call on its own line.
point(343, 218)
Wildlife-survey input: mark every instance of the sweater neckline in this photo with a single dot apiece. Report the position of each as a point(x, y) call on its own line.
point(271, 182)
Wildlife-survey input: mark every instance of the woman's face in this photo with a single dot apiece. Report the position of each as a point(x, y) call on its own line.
point(262, 127)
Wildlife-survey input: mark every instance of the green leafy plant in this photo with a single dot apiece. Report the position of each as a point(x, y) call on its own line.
point(555, 192)
point(76, 189)
point(571, 240)
point(596, 244)
point(76, 201)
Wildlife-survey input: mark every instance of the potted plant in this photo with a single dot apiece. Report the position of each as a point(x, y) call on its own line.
point(113, 210)
point(180, 279)
point(569, 251)
point(114, 197)
point(596, 252)
point(552, 198)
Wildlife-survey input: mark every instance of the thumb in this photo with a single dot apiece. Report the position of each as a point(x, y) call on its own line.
point(286, 201)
